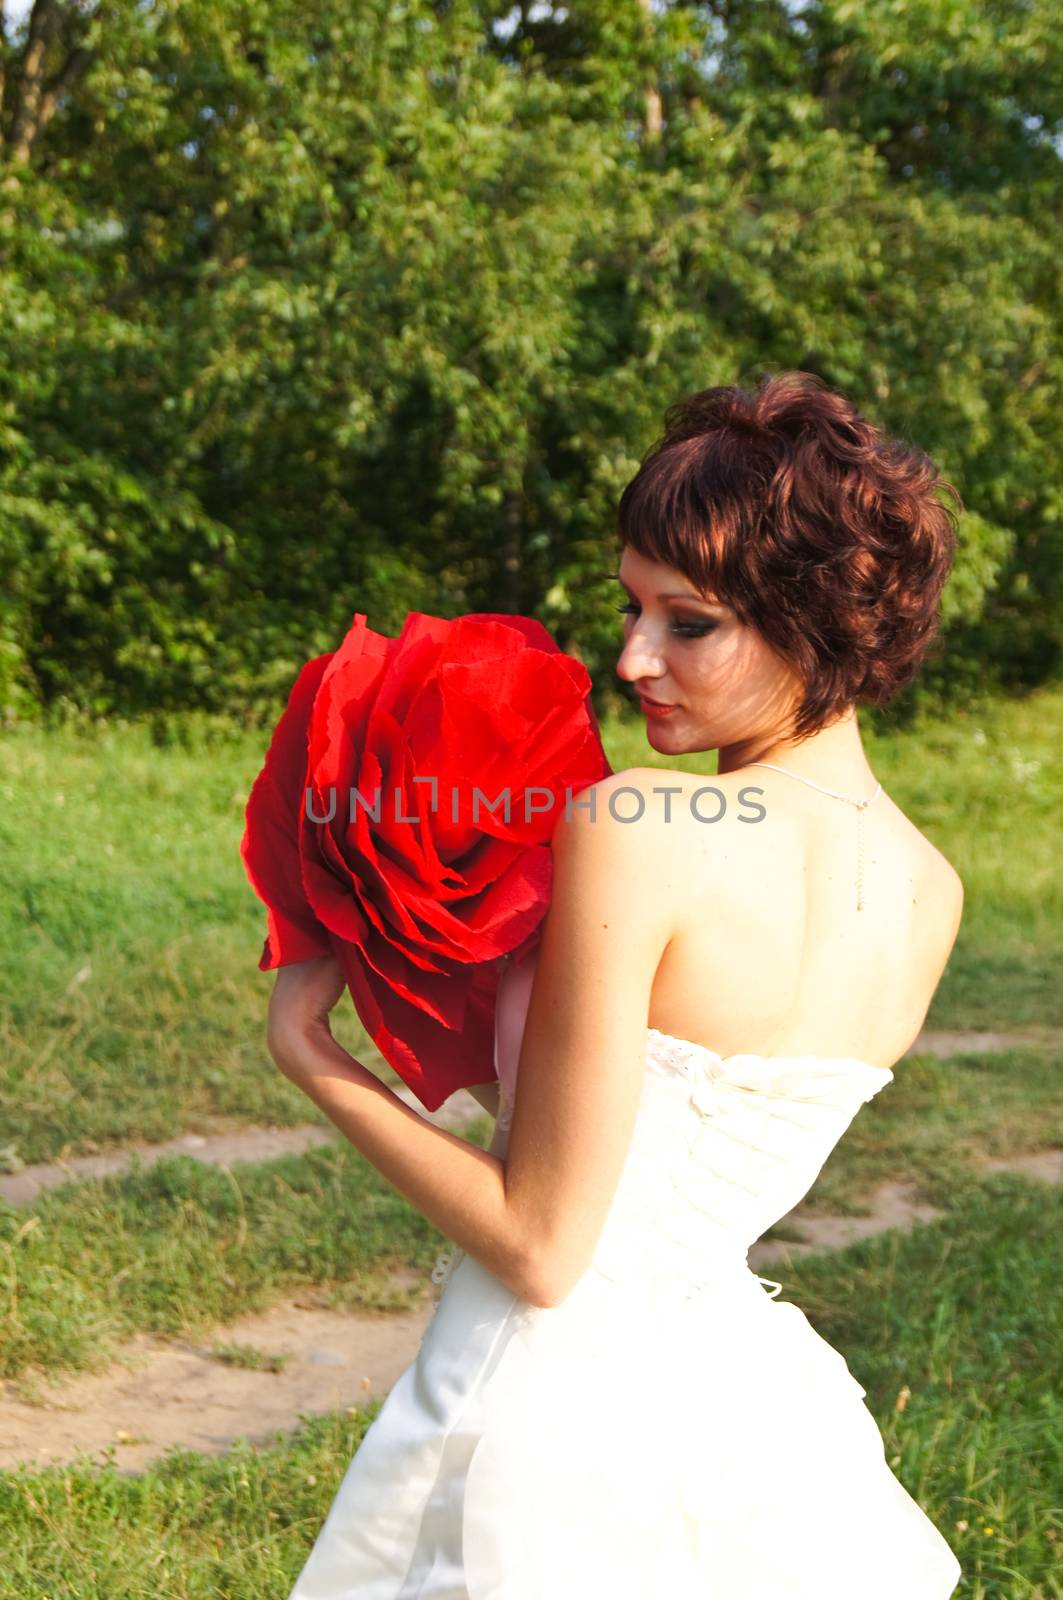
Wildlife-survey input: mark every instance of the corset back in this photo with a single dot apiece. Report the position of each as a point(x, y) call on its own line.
point(723, 1146)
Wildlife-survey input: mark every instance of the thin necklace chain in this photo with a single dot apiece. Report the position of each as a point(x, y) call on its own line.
point(861, 807)
point(860, 804)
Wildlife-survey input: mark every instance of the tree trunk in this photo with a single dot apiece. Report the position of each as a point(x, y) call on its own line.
point(42, 75)
point(653, 119)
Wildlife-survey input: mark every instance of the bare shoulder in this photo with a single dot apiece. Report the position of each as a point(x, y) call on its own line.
point(661, 795)
point(937, 888)
point(940, 874)
point(944, 883)
point(949, 877)
point(631, 829)
point(667, 816)
point(621, 815)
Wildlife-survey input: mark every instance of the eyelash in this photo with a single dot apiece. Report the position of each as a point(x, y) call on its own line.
point(683, 630)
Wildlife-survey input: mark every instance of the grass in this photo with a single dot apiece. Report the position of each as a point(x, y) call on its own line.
point(130, 940)
point(180, 1248)
point(235, 1354)
point(954, 1329)
point(134, 1009)
point(130, 937)
point(988, 790)
point(939, 1119)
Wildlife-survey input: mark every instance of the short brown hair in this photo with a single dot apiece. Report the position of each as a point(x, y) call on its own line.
point(812, 524)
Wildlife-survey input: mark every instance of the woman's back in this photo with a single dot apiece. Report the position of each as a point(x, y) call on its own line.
point(782, 565)
point(771, 955)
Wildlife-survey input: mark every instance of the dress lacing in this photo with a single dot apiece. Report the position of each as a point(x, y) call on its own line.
point(708, 1097)
point(687, 1059)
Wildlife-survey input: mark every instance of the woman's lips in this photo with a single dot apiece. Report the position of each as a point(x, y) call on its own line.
point(653, 709)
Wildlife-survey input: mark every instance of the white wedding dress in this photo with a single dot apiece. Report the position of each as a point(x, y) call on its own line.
point(670, 1428)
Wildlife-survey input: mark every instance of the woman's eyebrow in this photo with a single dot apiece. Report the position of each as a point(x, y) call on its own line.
point(684, 594)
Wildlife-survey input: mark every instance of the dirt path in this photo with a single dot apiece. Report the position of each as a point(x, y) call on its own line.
point(958, 1041)
point(221, 1149)
point(166, 1393)
point(161, 1393)
point(21, 1188)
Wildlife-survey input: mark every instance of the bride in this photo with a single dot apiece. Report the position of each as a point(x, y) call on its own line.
point(607, 1400)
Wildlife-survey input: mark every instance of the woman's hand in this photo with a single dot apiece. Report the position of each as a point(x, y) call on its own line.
point(303, 995)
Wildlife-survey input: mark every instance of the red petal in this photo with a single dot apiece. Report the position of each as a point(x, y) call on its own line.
point(269, 846)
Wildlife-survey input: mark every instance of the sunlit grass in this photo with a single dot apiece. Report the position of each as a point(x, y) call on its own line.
point(134, 1009)
point(181, 1247)
point(939, 1119)
point(954, 1329)
point(130, 937)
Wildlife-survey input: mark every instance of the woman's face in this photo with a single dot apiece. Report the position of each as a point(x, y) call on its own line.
point(727, 687)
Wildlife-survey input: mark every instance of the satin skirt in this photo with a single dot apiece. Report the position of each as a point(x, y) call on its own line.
point(704, 1444)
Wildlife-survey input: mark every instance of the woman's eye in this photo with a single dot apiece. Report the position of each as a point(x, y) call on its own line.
point(683, 630)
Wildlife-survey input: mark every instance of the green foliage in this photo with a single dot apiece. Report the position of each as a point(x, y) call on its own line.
point(953, 1328)
point(183, 1247)
point(135, 1011)
point(313, 309)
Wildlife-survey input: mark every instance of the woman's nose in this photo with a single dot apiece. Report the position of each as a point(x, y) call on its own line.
point(638, 659)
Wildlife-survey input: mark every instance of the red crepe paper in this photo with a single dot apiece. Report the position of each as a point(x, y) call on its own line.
point(420, 889)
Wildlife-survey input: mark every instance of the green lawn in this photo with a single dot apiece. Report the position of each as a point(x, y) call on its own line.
point(130, 937)
point(180, 1247)
point(953, 1329)
point(134, 1008)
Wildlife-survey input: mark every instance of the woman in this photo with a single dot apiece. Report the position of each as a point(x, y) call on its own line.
point(607, 1399)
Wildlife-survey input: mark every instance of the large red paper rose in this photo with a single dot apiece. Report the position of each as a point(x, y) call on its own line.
point(377, 828)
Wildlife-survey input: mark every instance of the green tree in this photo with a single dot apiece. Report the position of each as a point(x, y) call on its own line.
point(315, 308)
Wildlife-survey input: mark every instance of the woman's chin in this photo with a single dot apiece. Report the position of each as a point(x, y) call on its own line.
point(666, 741)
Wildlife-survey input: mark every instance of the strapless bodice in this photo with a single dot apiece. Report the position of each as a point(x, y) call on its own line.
point(723, 1147)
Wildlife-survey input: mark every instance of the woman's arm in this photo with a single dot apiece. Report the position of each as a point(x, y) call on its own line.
point(534, 1219)
point(460, 1188)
